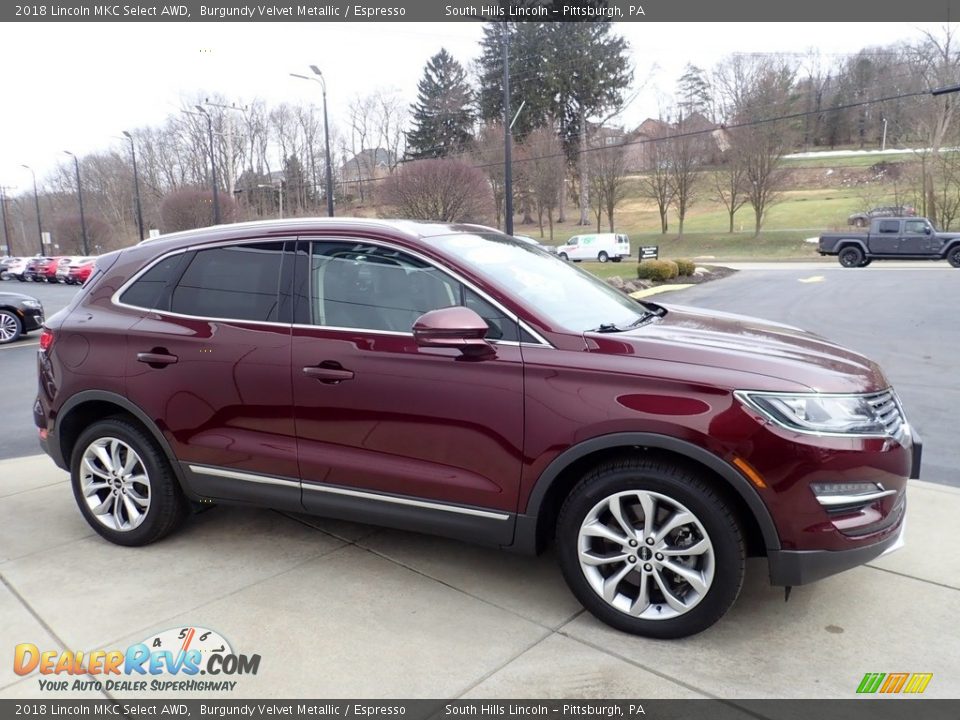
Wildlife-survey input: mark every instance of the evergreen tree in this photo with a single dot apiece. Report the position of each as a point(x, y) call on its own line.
point(442, 115)
point(693, 93)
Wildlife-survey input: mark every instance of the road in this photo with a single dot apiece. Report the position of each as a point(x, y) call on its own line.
point(901, 315)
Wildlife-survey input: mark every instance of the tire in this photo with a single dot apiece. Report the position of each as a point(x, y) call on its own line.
point(10, 327)
point(851, 256)
point(865, 262)
point(686, 606)
point(603, 257)
point(147, 476)
point(953, 256)
point(21, 278)
point(616, 259)
point(563, 256)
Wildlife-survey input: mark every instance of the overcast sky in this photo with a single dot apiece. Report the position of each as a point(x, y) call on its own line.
point(76, 86)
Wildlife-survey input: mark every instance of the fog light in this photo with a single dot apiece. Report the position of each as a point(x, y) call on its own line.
point(850, 494)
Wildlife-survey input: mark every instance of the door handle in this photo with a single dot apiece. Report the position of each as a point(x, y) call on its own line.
point(155, 359)
point(330, 373)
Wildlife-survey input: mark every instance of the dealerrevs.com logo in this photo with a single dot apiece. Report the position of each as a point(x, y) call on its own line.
point(894, 683)
point(170, 661)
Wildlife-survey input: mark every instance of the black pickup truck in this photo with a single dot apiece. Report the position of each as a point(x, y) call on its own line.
point(902, 238)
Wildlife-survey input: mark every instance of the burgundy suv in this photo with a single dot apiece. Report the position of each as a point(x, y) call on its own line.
point(452, 380)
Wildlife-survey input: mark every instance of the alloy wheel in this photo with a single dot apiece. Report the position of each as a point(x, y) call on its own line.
point(115, 484)
point(646, 555)
point(8, 327)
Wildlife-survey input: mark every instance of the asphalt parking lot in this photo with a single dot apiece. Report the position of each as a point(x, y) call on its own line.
point(344, 610)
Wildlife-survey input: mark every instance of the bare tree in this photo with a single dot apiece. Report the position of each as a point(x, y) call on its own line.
point(545, 169)
point(729, 184)
point(607, 178)
point(188, 209)
point(445, 189)
point(488, 153)
point(656, 183)
point(685, 153)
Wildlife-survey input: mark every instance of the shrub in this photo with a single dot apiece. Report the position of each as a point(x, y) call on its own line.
point(657, 270)
point(685, 267)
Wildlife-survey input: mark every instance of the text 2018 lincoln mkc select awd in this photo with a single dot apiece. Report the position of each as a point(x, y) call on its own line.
point(452, 380)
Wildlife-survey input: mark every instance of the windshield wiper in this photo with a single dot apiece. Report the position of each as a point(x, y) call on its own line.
point(605, 328)
point(647, 315)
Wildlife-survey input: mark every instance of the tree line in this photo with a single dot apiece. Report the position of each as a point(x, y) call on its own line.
point(720, 136)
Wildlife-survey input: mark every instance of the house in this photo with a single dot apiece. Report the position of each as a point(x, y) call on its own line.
point(367, 165)
point(639, 150)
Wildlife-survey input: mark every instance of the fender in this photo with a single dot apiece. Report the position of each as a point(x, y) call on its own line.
point(844, 242)
point(119, 400)
point(525, 536)
point(949, 247)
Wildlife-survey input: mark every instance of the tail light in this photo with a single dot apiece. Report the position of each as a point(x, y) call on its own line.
point(46, 339)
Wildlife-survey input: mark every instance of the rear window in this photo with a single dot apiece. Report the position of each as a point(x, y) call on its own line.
point(890, 226)
point(146, 291)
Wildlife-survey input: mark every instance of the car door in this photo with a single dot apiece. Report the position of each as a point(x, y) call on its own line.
point(885, 240)
point(210, 363)
point(918, 238)
point(390, 432)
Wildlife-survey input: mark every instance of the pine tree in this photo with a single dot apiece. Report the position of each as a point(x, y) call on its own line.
point(693, 92)
point(442, 115)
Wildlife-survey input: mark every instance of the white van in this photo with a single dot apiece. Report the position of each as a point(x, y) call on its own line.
point(600, 247)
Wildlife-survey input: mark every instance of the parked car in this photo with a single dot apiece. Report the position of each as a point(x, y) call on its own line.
point(33, 269)
point(599, 246)
point(50, 270)
point(63, 267)
point(445, 379)
point(9, 266)
point(862, 219)
point(906, 238)
point(78, 272)
point(19, 315)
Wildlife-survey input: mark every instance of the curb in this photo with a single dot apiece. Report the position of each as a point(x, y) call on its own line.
point(657, 290)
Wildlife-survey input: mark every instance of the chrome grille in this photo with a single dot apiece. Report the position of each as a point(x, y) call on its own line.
point(887, 407)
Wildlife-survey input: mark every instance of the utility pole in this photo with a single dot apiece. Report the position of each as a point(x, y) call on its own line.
point(136, 183)
point(3, 213)
point(83, 220)
point(231, 181)
point(213, 160)
point(36, 201)
point(507, 138)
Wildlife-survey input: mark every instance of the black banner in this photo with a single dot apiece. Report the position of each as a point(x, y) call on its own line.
point(857, 709)
point(516, 10)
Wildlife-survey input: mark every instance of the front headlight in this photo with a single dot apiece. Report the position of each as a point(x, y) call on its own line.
point(874, 414)
point(31, 304)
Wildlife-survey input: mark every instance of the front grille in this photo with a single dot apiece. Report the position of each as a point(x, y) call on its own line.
point(887, 407)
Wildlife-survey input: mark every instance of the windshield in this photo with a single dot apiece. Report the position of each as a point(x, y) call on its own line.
point(565, 295)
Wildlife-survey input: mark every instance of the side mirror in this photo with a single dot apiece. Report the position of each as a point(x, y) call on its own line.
point(927, 229)
point(454, 327)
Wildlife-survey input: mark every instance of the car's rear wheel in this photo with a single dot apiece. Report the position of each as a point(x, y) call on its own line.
point(851, 257)
point(602, 256)
point(865, 262)
point(10, 327)
point(953, 257)
point(124, 484)
point(649, 548)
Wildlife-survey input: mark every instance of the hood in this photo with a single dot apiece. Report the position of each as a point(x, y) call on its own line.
point(15, 297)
point(746, 345)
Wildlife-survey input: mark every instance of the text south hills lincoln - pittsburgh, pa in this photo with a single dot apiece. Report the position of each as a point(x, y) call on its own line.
point(508, 10)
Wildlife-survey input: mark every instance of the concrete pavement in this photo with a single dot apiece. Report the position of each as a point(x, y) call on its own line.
point(343, 610)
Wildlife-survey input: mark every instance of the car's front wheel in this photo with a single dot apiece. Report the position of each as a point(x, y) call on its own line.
point(563, 256)
point(650, 548)
point(10, 327)
point(124, 484)
point(851, 257)
point(953, 257)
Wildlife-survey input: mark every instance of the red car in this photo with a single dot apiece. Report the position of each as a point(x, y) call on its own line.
point(453, 380)
point(48, 270)
point(78, 274)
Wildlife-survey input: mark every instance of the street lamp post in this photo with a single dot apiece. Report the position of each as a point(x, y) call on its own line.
point(136, 183)
point(36, 200)
point(213, 161)
point(326, 135)
point(83, 219)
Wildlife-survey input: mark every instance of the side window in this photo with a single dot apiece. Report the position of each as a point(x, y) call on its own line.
point(889, 226)
point(371, 288)
point(574, 241)
point(146, 291)
point(915, 227)
point(238, 282)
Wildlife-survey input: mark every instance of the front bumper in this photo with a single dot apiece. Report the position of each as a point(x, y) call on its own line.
point(799, 567)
